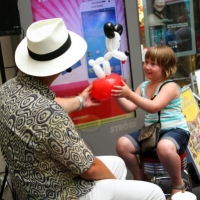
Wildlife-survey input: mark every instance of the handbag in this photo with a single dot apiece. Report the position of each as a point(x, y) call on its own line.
point(149, 135)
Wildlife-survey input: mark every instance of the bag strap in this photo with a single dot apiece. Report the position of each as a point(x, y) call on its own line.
point(156, 95)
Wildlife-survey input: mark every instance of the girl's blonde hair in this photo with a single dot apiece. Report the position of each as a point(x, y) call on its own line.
point(165, 57)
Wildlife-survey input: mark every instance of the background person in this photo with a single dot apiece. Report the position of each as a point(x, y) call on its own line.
point(157, 16)
point(46, 157)
point(184, 35)
point(159, 66)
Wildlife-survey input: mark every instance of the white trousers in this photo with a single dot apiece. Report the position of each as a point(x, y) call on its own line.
point(121, 189)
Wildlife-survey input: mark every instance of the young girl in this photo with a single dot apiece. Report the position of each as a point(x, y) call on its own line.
point(159, 66)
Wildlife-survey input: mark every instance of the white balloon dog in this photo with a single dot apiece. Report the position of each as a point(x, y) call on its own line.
point(113, 40)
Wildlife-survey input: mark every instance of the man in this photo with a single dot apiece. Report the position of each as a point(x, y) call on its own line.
point(45, 155)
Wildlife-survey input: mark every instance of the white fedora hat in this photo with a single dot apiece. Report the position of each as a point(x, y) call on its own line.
point(49, 48)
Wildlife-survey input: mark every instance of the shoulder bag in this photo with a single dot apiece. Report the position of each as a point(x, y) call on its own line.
point(149, 135)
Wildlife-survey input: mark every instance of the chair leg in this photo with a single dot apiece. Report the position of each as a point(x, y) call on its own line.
point(164, 182)
point(188, 180)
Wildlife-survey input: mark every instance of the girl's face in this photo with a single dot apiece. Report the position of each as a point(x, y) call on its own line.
point(159, 5)
point(152, 70)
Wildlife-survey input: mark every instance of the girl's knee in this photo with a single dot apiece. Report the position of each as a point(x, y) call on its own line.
point(124, 145)
point(121, 144)
point(166, 147)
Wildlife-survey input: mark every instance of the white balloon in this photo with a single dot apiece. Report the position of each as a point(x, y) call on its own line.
point(91, 62)
point(116, 41)
point(98, 71)
point(106, 68)
point(112, 46)
point(99, 60)
point(119, 55)
point(109, 44)
point(108, 55)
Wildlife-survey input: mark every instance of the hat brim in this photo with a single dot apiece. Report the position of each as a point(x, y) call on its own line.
point(47, 68)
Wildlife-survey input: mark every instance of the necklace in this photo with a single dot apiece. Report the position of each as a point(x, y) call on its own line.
point(159, 15)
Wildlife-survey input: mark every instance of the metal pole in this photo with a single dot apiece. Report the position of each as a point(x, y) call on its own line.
point(2, 69)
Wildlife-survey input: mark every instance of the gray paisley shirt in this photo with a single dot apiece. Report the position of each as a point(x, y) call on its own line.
point(40, 144)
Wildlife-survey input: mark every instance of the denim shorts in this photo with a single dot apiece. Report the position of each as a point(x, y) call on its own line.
point(178, 136)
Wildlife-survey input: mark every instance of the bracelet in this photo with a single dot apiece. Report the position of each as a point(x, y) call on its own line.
point(80, 101)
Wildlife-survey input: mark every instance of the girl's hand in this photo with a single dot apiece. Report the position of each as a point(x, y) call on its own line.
point(121, 91)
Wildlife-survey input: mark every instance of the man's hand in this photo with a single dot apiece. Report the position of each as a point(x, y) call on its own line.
point(73, 104)
point(88, 101)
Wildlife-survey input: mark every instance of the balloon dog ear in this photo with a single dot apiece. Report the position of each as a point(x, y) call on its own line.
point(109, 30)
point(118, 28)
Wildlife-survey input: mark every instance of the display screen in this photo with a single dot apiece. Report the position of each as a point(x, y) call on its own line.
point(92, 25)
point(87, 19)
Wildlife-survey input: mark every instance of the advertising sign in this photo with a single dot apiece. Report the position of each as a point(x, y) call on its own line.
point(87, 19)
point(191, 111)
point(171, 23)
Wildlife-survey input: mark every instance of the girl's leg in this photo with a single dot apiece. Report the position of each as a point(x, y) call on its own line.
point(173, 141)
point(126, 151)
point(124, 190)
point(170, 159)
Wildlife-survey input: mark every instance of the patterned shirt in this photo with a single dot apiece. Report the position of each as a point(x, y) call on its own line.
point(40, 144)
point(171, 116)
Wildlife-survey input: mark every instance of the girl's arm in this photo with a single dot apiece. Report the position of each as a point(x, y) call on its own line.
point(168, 92)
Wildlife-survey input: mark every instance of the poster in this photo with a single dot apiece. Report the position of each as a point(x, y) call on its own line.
point(171, 23)
point(87, 19)
point(192, 113)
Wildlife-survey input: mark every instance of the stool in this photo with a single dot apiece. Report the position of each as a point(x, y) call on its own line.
point(158, 175)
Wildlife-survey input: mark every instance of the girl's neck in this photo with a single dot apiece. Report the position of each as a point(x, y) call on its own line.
point(157, 82)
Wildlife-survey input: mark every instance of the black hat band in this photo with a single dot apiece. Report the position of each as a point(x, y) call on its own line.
point(51, 55)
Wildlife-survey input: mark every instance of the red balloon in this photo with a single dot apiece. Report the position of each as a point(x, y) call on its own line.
point(101, 88)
